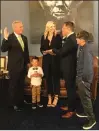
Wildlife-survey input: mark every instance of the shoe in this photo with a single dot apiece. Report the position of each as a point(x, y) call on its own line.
point(81, 115)
point(54, 104)
point(49, 101)
point(65, 108)
point(68, 115)
point(34, 106)
point(26, 102)
point(89, 125)
point(16, 108)
point(39, 105)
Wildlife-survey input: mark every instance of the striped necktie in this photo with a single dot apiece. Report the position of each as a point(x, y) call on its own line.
point(21, 42)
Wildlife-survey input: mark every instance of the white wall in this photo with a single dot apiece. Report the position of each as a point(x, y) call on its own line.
point(17, 10)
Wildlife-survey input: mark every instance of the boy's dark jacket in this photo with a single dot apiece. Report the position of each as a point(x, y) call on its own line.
point(85, 63)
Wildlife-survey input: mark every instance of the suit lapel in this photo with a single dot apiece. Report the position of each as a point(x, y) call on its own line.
point(71, 36)
point(23, 41)
point(17, 42)
point(64, 41)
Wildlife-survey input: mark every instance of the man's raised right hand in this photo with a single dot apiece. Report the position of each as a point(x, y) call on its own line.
point(6, 33)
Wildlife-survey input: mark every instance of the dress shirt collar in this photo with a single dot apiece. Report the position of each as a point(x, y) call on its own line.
point(16, 34)
point(70, 34)
point(64, 37)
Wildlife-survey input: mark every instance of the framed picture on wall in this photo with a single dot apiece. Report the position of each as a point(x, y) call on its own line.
point(80, 12)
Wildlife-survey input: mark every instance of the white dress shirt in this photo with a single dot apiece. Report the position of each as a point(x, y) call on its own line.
point(36, 81)
point(70, 34)
point(16, 34)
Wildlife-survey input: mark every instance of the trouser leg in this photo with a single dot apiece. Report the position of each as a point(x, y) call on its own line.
point(38, 90)
point(85, 96)
point(33, 94)
point(71, 93)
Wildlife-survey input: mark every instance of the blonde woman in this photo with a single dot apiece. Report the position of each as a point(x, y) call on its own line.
point(51, 63)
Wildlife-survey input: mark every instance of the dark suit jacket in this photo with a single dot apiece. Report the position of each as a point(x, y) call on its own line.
point(49, 60)
point(17, 59)
point(68, 55)
point(85, 64)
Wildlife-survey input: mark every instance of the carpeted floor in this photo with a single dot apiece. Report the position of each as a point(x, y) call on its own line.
point(43, 118)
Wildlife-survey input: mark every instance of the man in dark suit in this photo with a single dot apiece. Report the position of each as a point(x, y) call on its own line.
point(68, 55)
point(18, 58)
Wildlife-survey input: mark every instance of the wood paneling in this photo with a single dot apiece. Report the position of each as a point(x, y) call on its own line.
point(63, 92)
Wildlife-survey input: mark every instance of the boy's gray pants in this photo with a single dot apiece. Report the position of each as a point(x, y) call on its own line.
point(84, 91)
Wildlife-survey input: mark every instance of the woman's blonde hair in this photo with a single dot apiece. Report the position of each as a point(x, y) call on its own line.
point(48, 25)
